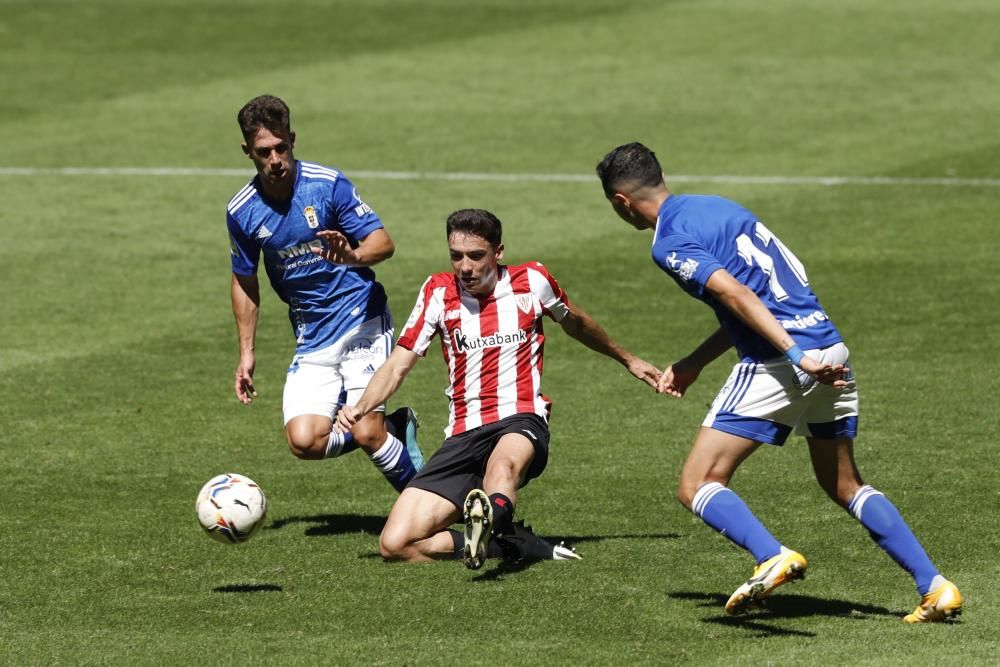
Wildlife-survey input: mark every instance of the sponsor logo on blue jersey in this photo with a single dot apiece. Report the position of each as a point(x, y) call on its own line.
point(362, 209)
point(300, 249)
point(812, 319)
point(683, 268)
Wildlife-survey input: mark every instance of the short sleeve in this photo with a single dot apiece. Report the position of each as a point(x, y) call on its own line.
point(686, 260)
point(546, 289)
point(424, 319)
point(351, 214)
point(244, 252)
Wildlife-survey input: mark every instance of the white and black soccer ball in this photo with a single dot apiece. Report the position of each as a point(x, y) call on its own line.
point(231, 508)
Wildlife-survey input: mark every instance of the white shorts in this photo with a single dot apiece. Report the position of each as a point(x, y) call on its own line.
point(766, 401)
point(320, 382)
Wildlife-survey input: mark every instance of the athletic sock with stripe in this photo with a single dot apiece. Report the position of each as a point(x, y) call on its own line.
point(726, 512)
point(887, 527)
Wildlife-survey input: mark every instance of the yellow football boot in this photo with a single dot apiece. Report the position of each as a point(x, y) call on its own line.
point(786, 566)
point(942, 603)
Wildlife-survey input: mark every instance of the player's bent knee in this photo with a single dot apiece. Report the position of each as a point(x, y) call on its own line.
point(306, 452)
point(303, 444)
point(395, 547)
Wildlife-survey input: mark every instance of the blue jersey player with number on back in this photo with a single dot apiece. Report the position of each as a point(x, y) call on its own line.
point(318, 240)
point(793, 375)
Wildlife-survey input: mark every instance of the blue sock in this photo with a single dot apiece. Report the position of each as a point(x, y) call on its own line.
point(890, 531)
point(726, 512)
point(394, 462)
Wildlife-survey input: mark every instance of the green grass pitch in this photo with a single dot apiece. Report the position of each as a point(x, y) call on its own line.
point(117, 344)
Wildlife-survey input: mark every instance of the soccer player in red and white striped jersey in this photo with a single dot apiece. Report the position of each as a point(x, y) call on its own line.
point(492, 345)
point(489, 320)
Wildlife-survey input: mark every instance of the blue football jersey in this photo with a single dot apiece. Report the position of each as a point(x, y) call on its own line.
point(325, 300)
point(697, 235)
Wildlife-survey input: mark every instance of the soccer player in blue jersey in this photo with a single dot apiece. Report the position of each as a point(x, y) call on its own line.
point(793, 375)
point(318, 240)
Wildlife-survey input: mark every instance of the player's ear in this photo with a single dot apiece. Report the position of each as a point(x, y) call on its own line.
point(499, 252)
point(246, 149)
point(291, 139)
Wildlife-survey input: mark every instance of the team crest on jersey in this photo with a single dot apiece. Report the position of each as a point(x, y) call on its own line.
point(311, 218)
point(523, 302)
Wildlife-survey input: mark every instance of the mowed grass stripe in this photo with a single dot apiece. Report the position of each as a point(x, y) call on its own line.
point(733, 179)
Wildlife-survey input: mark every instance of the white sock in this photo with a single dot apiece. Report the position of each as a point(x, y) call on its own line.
point(935, 582)
point(387, 456)
point(334, 444)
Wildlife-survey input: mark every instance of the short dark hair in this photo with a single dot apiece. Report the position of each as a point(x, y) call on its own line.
point(632, 164)
point(265, 111)
point(478, 222)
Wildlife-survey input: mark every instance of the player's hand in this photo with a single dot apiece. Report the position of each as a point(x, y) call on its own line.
point(347, 417)
point(831, 374)
point(677, 378)
point(338, 249)
point(245, 391)
point(644, 371)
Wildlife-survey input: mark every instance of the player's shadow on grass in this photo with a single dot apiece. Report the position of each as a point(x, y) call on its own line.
point(781, 607)
point(333, 524)
point(248, 588)
point(573, 540)
point(504, 568)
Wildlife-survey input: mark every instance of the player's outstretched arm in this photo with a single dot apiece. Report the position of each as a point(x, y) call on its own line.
point(386, 381)
point(245, 294)
point(742, 302)
point(374, 248)
point(584, 328)
point(682, 374)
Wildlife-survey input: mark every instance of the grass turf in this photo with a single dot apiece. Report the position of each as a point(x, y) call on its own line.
point(118, 345)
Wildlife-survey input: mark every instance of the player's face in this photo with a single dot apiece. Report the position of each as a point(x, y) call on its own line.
point(474, 261)
point(272, 155)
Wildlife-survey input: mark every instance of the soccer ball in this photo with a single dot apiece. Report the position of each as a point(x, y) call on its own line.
point(231, 508)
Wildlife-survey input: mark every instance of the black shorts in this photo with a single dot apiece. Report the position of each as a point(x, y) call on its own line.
point(458, 467)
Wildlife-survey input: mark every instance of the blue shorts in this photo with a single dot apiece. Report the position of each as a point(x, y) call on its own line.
point(765, 401)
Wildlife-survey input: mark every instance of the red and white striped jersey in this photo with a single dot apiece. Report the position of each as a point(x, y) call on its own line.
point(493, 345)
